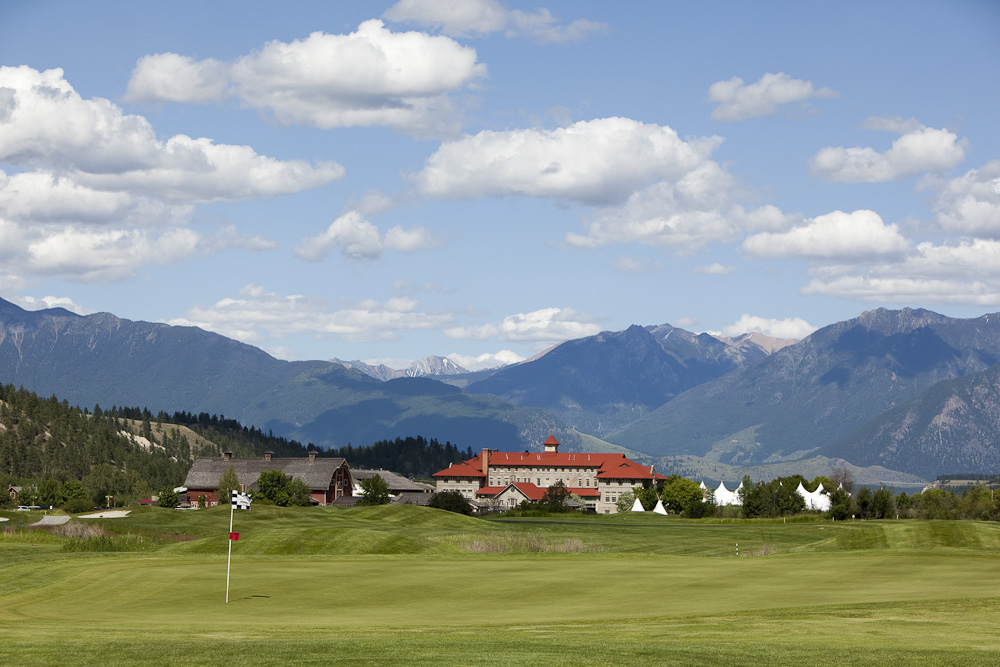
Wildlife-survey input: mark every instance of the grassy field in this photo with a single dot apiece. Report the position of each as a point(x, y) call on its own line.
point(413, 586)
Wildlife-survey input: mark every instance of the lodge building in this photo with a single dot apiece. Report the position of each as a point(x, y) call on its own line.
point(503, 480)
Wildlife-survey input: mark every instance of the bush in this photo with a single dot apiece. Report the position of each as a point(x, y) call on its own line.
point(451, 501)
point(77, 505)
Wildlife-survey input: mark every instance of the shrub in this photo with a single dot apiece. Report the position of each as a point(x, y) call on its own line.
point(451, 501)
point(77, 505)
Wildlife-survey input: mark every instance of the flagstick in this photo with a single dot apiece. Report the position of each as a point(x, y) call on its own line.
point(230, 561)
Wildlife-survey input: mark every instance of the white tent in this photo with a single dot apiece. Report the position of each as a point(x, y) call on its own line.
point(724, 496)
point(660, 509)
point(815, 500)
point(637, 506)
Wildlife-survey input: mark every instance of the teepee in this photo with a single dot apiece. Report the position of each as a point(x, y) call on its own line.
point(637, 506)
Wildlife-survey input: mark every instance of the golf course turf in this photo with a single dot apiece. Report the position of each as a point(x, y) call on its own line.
point(415, 586)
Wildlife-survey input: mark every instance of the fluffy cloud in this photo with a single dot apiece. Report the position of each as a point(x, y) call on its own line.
point(360, 240)
point(99, 195)
point(966, 272)
point(699, 208)
point(461, 18)
point(372, 76)
point(488, 360)
point(42, 197)
point(738, 101)
point(169, 77)
point(598, 161)
point(791, 328)
point(917, 291)
point(548, 325)
point(84, 254)
point(831, 236)
point(31, 303)
point(256, 316)
point(969, 204)
point(919, 149)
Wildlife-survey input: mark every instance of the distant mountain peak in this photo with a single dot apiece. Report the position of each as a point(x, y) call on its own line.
point(429, 366)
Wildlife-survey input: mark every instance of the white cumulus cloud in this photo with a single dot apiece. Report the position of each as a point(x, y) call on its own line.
point(597, 161)
point(790, 328)
point(969, 204)
point(918, 150)
point(738, 101)
point(97, 195)
point(486, 360)
point(360, 240)
point(372, 76)
point(963, 272)
point(699, 208)
point(831, 236)
point(171, 77)
point(547, 325)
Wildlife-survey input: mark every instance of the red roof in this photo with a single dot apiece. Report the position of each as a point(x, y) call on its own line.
point(628, 469)
point(530, 491)
point(464, 469)
point(551, 441)
point(609, 466)
point(534, 492)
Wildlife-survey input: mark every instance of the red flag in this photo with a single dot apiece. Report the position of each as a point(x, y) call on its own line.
point(234, 536)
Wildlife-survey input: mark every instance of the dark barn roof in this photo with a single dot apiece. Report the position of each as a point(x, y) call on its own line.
point(396, 482)
point(314, 473)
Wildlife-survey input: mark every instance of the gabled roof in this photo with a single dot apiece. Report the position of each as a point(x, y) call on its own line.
point(608, 466)
point(533, 491)
point(316, 474)
point(628, 469)
point(396, 482)
point(464, 469)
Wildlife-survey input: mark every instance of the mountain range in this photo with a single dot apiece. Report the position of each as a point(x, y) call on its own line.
point(103, 359)
point(905, 390)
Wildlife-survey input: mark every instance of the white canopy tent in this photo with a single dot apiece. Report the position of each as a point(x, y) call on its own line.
point(815, 500)
point(724, 496)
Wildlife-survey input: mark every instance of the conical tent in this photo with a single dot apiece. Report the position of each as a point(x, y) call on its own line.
point(637, 506)
point(660, 509)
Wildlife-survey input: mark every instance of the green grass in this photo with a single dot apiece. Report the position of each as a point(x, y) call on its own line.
point(402, 586)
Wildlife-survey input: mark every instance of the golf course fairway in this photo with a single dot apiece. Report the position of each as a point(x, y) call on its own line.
point(629, 594)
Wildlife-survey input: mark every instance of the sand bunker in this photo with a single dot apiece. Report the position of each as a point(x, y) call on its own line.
point(107, 514)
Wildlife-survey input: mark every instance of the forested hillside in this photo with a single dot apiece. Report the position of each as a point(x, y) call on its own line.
point(46, 443)
point(58, 452)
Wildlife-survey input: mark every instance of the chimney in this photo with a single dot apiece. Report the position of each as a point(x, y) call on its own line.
point(312, 455)
point(484, 458)
point(226, 456)
point(268, 454)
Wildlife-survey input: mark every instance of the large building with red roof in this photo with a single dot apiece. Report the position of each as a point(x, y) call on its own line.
point(504, 479)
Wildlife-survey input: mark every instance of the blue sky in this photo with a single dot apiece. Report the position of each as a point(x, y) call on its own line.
point(481, 180)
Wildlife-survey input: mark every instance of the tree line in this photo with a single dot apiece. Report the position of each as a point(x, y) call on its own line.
point(413, 456)
point(779, 497)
